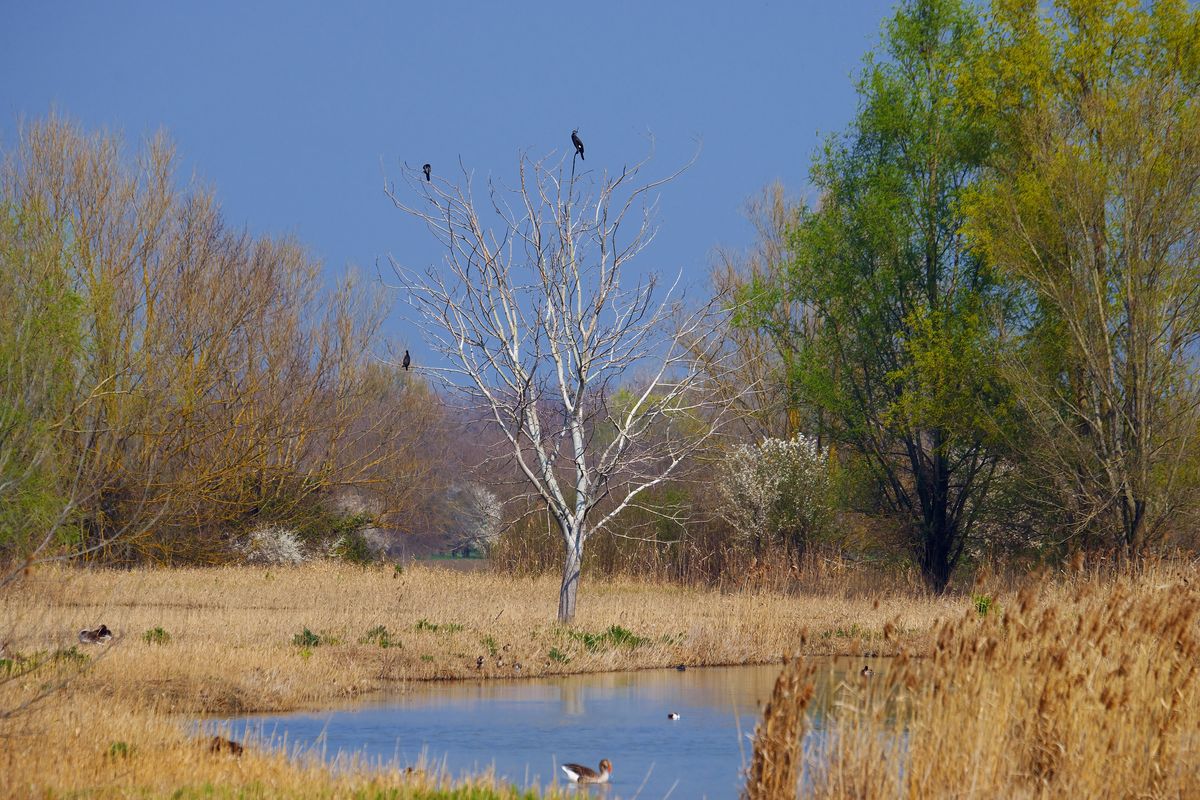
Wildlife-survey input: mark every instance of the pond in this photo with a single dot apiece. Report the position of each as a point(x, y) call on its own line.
point(524, 729)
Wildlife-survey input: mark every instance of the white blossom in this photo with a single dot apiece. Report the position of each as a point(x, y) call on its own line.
point(272, 545)
point(776, 492)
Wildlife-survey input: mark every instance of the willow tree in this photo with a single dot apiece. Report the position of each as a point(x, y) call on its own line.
point(900, 352)
point(594, 375)
point(1092, 205)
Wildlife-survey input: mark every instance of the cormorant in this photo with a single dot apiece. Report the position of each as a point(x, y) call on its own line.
point(406, 361)
point(575, 140)
point(427, 169)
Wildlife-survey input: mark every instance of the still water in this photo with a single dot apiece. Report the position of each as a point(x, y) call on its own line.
point(524, 729)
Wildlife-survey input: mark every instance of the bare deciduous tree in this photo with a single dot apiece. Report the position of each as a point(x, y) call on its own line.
point(589, 378)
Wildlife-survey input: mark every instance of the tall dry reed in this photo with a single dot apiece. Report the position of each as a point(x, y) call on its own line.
point(1084, 687)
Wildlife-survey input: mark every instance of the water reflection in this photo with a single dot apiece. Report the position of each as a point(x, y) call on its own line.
point(524, 729)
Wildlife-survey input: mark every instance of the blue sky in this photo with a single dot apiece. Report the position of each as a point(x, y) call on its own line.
point(288, 110)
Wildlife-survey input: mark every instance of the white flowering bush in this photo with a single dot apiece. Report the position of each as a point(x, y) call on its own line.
point(272, 545)
point(777, 492)
point(476, 517)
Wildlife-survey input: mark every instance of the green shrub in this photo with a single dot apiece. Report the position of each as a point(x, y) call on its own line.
point(615, 636)
point(156, 636)
point(308, 639)
point(352, 546)
point(379, 635)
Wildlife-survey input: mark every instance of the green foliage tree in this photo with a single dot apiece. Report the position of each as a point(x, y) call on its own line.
point(1091, 204)
point(900, 358)
point(39, 342)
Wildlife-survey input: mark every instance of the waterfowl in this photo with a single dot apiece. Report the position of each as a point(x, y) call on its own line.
point(866, 671)
point(479, 663)
point(672, 716)
point(219, 744)
point(578, 773)
point(101, 634)
point(681, 668)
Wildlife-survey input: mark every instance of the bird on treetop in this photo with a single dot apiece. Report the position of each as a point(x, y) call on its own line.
point(575, 140)
point(407, 360)
point(427, 169)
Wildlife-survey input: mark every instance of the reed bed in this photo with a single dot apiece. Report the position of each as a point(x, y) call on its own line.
point(1082, 687)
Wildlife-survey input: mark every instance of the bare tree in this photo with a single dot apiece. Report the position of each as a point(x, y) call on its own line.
point(590, 379)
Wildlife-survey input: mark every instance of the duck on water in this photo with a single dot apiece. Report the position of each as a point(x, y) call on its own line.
point(578, 773)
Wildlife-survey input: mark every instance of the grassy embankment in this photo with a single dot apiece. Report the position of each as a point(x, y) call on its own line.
point(226, 640)
point(1086, 687)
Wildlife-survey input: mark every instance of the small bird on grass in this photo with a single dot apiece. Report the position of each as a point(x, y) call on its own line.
point(578, 773)
point(407, 360)
point(575, 140)
point(427, 169)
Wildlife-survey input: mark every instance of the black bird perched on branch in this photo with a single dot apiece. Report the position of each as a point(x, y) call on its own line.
point(427, 169)
point(406, 361)
point(575, 140)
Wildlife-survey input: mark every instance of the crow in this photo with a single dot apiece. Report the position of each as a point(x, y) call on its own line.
point(427, 170)
point(406, 361)
point(575, 140)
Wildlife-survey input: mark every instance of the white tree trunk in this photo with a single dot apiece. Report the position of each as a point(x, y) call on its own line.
point(572, 562)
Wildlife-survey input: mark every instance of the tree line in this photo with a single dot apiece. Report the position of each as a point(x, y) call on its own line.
point(979, 336)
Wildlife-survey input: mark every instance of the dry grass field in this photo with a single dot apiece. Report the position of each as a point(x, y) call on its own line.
point(234, 639)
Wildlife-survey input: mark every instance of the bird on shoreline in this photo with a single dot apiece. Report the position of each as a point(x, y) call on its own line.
point(575, 140)
point(427, 169)
point(578, 773)
point(101, 634)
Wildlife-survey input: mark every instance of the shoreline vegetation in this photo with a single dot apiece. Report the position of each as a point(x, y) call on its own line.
point(1078, 660)
point(238, 639)
point(254, 639)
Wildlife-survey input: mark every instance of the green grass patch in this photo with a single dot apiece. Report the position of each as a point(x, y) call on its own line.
point(558, 656)
point(118, 750)
point(156, 636)
point(308, 639)
point(615, 636)
point(433, 627)
point(379, 635)
point(71, 655)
